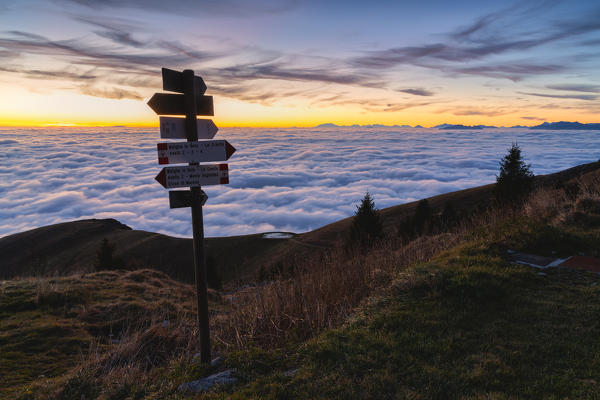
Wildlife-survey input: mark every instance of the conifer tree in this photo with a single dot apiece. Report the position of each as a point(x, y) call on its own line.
point(213, 278)
point(449, 215)
point(366, 225)
point(423, 217)
point(515, 180)
point(105, 257)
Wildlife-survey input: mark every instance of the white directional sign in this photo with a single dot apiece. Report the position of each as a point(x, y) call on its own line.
point(194, 152)
point(174, 128)
point(193, 175)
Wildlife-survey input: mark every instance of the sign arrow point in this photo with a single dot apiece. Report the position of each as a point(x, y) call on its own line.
point(161, 178)
point(212, 128)
point(153, 103)
point(229, 150)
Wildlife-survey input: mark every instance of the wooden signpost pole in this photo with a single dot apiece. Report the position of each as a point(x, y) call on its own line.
point(197, 221)
point(191, 104)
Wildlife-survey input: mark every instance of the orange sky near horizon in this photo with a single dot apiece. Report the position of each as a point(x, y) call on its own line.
point(67, 109)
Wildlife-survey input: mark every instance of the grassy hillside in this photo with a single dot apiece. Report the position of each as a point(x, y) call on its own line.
point(445, 315)
point(71, 247)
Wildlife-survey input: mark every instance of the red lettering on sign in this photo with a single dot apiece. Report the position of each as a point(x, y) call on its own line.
point(163, 160)
point(161, 146)
point(224, 181)
point(223, 167)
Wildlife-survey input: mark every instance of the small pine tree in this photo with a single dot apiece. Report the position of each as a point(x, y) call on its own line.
point(366, 225)
point(423, 222)
point(515, 180)
point(406, 229)
point(213, 278)
point(449, 215)
point(423, 217)
point(105, 258)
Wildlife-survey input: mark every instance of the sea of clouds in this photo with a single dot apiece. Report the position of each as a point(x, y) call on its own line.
point(280, 179)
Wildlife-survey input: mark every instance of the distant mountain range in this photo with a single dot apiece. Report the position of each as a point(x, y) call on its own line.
point(451, 126)
point(330, 125)
point(562, 125)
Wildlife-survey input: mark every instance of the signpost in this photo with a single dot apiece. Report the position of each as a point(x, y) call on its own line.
point(191, 103)
point(192, 152)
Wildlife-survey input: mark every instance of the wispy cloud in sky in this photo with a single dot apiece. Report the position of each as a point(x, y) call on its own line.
point(417, 91)
point(272, 53)
point(117, 31)
point(236, 8)
point(64, 74)
point(113, 93)
point(576, 88)
point(530, 118)
point(495, 34)
point(487, 111)
point(589, 97)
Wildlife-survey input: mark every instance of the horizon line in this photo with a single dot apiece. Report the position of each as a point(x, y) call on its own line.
point(322, 125)
point(102, 125)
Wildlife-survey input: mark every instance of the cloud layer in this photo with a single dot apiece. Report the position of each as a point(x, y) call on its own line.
point(281, 179)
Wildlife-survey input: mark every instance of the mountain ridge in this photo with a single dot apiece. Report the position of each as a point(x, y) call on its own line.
point(565, 125)
point(560, 125)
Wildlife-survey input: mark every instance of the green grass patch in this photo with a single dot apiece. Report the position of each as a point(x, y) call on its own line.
point(49, 325)
point(555, 241)
point(33, 347)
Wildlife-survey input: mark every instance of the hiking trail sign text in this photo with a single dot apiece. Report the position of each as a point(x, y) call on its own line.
point(190, 103)
point(194, 152)
point(193, 175)
point(174, 128)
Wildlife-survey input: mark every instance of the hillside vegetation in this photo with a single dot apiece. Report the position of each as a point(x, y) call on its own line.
point(441, 315)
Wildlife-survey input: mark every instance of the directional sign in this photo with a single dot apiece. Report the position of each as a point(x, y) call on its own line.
point(194, 152)
point(174, 128)
point(193, 175)
point(185, 198)
point(173, 82)
point(174, 104)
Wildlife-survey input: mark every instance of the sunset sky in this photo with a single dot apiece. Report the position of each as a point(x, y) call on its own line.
point(302, 63)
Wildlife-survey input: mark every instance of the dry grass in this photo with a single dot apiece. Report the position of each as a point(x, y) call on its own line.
point(321, 294)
